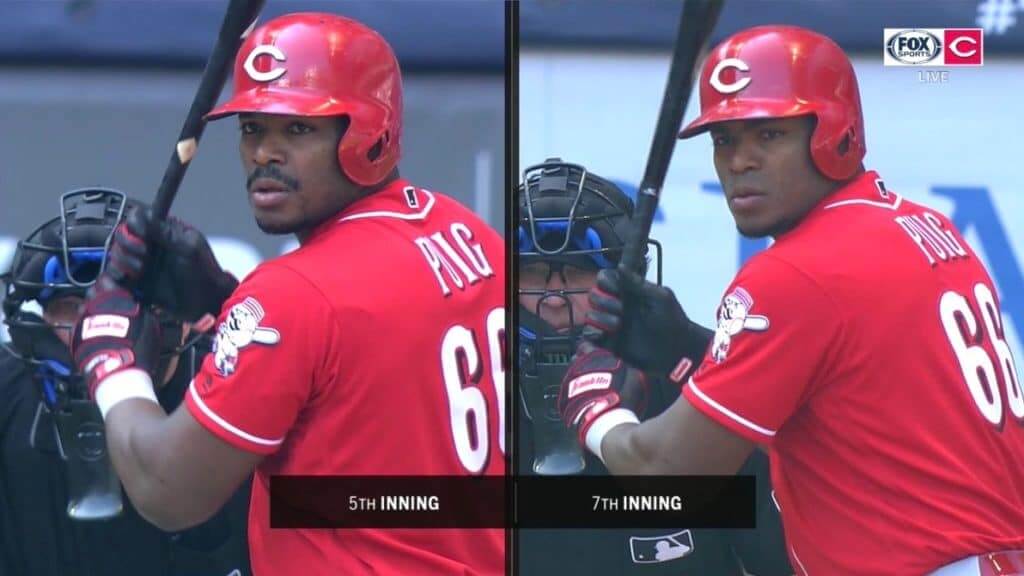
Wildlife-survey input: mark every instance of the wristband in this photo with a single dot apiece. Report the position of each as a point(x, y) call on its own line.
point(603, 424)
point(124, 385)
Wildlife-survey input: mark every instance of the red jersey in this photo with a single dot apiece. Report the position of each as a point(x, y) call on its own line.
point(348, 357)
point(866, 349)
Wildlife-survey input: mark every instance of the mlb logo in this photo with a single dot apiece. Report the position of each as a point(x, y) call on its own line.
point(964, 46)
point(656, 549)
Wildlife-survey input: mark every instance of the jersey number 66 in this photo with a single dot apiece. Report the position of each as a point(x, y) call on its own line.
point(463, 374)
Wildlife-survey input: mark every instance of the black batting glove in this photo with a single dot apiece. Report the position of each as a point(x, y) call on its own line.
point(171, 264)
point(127, 256)
point(645, 325)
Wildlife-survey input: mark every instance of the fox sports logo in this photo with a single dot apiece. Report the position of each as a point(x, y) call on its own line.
point(914, 47)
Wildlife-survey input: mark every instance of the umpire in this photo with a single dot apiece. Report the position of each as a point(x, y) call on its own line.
point(572, 224)
point(51, 462)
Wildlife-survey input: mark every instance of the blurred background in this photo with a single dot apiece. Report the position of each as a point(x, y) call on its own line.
point(592, 77)
point(94, 92)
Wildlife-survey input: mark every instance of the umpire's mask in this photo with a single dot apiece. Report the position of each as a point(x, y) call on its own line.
point(62, 258)
point(571, 225)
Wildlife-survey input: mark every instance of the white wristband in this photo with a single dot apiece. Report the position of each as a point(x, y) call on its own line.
point(604, 423)
point(123, 385)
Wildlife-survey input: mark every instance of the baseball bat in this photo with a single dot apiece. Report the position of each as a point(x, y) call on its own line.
point(696, 22)
point(93, 486)
point(239, 21)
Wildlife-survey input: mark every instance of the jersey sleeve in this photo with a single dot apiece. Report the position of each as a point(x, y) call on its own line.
point(268, 355)
point(776, 331)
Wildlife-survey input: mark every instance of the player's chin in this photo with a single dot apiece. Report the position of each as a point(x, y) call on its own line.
point(276, 224)
point(754, 227)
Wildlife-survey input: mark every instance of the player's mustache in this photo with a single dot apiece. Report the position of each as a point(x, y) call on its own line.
point(273, 173)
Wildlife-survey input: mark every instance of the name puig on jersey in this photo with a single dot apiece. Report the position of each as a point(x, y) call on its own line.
point(455, 258)
point(935, 241)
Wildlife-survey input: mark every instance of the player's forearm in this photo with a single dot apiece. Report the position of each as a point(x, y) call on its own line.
point(144, 457)
point(674, 442)
point(616, 453)
point(627, 449)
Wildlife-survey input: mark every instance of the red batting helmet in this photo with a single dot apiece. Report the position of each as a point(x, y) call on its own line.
point(312, 64)
point(781, 72)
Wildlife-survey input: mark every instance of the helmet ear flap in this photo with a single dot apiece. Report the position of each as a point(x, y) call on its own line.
point(851, 141)
point(346, 125)
point(382, 143)
point(835, 147)
point(374, 152)
point(366, 153)
point(844, 145)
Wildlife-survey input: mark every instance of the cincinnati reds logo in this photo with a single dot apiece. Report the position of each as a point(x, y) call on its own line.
point(716, 76)
point(240, 329)
point(272, 74)
point(734, 317)
point(954, 46)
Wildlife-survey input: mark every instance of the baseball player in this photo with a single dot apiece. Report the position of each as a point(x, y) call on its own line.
point(573, 223)
point(375, 348)
point(54, 472)
point(864, 349)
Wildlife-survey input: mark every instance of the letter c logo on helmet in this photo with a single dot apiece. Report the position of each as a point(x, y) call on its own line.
point(270, 75)
point(716, 76)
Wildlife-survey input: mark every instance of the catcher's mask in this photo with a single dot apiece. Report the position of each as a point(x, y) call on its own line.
point(59, 259)
point(571, 223)
point(62, 258)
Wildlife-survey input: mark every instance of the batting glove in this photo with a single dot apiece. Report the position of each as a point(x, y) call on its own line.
point(172, 264)
point(599, 392)
point(115, 334)
point(645, 325)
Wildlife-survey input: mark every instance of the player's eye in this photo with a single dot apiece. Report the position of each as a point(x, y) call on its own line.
point(718, 140)
point(771, 134)
point(299, 128)
point(248, 127)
